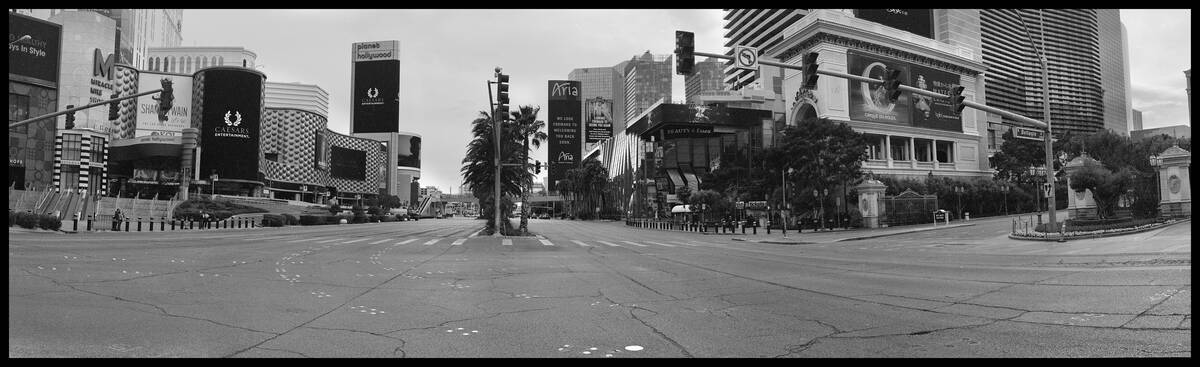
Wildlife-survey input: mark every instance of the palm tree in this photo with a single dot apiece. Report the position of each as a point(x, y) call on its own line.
point(478, 169)
point(529, 129)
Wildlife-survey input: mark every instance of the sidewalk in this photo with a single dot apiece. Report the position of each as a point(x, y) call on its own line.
point(839, 235)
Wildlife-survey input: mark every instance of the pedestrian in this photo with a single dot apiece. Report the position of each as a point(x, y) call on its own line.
point(204, 218)
point(116, 221)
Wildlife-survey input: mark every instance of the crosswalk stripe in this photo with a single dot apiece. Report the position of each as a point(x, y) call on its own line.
point(328, 241)
point(609, 243)
point(406, 241)
point(506, 242)
point(547, 242)
point(358, 240)
point(685, 243)
point(306, 239)
point(458, 242)
point(634, 243)
point(264, 238)
point(379, 242)
point(433, 241)
point(578, 242)
point(660, 244)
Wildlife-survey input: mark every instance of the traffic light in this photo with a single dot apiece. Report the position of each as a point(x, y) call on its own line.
point(892, 84)
point(113, 108)
point(956, 99)
point(685, 48)
point(537, 167)
point(166, 99)
point(810, 70)
point(70, 117)
point(502, 96)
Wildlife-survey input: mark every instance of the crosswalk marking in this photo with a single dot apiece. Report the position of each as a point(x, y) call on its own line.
point(578, 242)
point(306, 239)
point(358, 240)
point(433, 241)
point(659, 243)
point(264, 238)
point(547, 242)
point(634, 243)
point(379, 242)
point(328, 241)
point(406, 241)
point(685, 243)
point(458, 242)
point(609, 243)
point(506, 242)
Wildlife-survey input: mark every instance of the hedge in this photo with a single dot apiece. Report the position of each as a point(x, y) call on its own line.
point(272, 220)
point(27, 220)
point(49, 222)
point(290, 220)
point(310, 220)
point(1124, 223)
point(12, 218)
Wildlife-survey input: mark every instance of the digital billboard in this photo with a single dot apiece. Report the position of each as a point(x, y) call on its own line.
point(376, 103)
point(230, 122)
point(598, 116)
point(915, 21)
point(37, 57)
point(868, 101)
point(929, 112)
point(564, 129)
point(347, 163)
point(408, 154)
point(172, 123)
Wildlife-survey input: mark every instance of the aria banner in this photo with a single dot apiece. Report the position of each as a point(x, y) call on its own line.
point(564, 129)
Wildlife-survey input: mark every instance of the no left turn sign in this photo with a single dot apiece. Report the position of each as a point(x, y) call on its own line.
point(746, 57)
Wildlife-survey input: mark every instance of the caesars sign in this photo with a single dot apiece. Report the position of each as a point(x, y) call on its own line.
point(230, 122)
point(172, 123)
point(868, 102)
point(565, 138)
point(598, 112)
point(376, 87)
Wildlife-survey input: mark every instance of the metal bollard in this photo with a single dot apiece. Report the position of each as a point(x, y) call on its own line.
point(162, 224)
point(89, 223)
point(191, 224)
point(75, 225)
point(755, 229)
point(139, 224)
point(151, 222)
point(126, 226)
point(172, 224)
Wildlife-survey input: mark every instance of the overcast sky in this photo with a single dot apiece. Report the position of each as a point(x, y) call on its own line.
point(448, 55)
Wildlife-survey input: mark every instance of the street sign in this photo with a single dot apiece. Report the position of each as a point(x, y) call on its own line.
point(1027, 133)
point(741, 205)
point(756, 204)
point(746, 57)
point(1046, 188)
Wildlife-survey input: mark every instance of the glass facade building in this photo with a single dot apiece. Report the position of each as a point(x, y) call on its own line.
point(647, 81)
point(709, 76)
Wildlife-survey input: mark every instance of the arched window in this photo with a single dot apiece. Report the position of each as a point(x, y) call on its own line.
point(220, 60)
point(154, 63)
point(243, 62)
point(167, 64)
point(205, 61)
point(187, 62)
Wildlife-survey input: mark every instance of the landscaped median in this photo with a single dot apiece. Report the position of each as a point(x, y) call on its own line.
point(1079, 229)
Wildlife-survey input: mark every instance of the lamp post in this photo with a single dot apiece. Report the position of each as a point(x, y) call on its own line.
point(1004, 189)
point(817, 198)
point(823, 200)
point(1050, 206)
point(959, 190)
point(786, 207)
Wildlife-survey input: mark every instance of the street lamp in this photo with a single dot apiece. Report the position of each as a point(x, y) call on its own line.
point(785, 206)
point(19, 40)
point(823, 200)
point(1050, 206)
point(959, 190)
point(817, 198)
point(1004, 189)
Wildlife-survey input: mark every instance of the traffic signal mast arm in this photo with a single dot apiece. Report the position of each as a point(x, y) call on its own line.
point(63, 112)
point(902, 87)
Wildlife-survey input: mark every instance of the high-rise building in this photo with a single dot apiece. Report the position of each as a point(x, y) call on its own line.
point(647, 80)
point(187, 60)
point(1012, 39)
point(709, 76)
point(307, 97)
point(1113, 71)
point(1136, 123)
point(759, 28)
point(605, 82)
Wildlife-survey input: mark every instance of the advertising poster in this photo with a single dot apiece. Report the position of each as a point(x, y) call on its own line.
point(37, 57)
point(929, 112)
point(599, 119)
point(409, 151)
point(376, 103)
point(149, 121)
point(231, 123)
point(347, 163)
point(915, 21)
point(564, 130)
point(868, 102)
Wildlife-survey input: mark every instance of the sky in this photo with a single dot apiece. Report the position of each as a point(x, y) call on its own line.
point(447, 55)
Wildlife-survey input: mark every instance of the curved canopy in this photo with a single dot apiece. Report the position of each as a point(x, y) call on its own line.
point(681, 209)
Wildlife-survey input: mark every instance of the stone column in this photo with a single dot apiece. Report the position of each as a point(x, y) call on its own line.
point(1174, 182)
point(870, 195)
point(191, 137)
point(1080, 205)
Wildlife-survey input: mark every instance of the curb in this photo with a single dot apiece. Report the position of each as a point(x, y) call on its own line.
point(856, 238)
point(1093, 236)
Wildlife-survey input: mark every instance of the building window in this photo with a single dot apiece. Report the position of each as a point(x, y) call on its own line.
point(95, 180)
point(18, 110)
point(991, 139)
point(874, 147)
point(71, 147)
point(70, 177)
point(945, 151)
point(899, 148)
point(97, 150)
point(924, 150)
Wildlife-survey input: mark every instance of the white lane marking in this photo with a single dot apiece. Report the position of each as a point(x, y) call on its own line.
point(306, 239)
point(635, 243)
point(609, 243)
point(476, 233)
point(506, 242)
point(547, 242)
point(685, 243)
point(433, 241)
point(358, 240)
point(406, 241)
point(328, 241)
point(264, 238)
point(458, 242)
point(379, 242)
point(578, 242)
point(659, 243)
point(1173, 248)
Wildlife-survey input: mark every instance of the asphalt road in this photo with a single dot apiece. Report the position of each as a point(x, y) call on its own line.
point(589, 290)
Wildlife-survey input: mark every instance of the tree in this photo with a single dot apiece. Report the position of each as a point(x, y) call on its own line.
point(1015, 156)
point(389, 202)
point(478, 169)
point(530, 130)
point(586, 186)
point(1106, 186)
point(823, 155)
point(708, 201)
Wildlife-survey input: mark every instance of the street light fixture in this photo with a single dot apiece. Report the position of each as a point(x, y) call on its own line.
point(1004, 189)
point(959, 190)
point(19, 40)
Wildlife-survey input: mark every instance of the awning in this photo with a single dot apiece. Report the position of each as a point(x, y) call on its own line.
point(681, 209)
point(692, 181)
point(676, 178)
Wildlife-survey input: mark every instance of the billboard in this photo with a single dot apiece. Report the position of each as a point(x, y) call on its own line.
point(149, 121)
point(376, 103)
point(929, 112)
point(915, 21)
point(565, 138)
point(598, 112)
point(868, 101)
point(347, 163)
point(39, 56)
point(408, 153)
point(230, 123)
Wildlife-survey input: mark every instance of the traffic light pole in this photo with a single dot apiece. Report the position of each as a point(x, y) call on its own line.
point(63, 112)
point(496, 143)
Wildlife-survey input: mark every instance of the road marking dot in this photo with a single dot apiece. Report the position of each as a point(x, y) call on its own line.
point(593, 348)
point(587, 352)
point(466, 333)
point(633, 348)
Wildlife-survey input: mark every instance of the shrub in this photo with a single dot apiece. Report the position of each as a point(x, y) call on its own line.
point(348, 217)
point(12, 218)
point(27, 220)
point(309, 220)
point(222, 214)
point(359, 217)
point(50, 222)
point(375, 210)
point(335, 209)
point(387, 218)
point(272, 220)
point(290, 220)
point(332, 219)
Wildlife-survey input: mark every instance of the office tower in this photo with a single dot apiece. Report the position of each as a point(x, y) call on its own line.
point(1136, 121)
point(647, 80)
point(761, 28)
point(709, 76)
point(1014, 80)
point(1113, 71)
point(605, 82)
